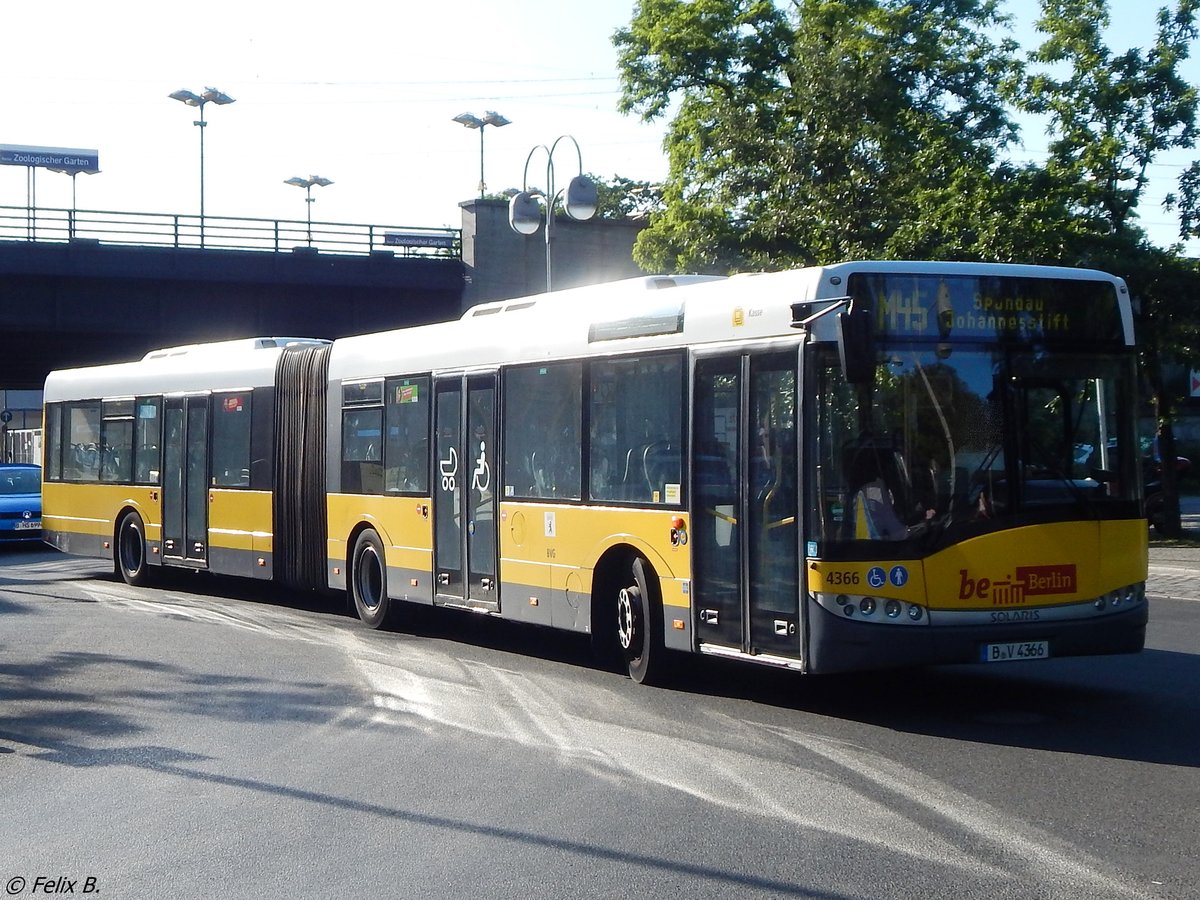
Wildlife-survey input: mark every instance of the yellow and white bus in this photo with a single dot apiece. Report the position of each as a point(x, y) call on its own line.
point(862, 465)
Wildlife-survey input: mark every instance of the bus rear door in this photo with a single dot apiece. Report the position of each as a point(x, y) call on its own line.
point(185, 480)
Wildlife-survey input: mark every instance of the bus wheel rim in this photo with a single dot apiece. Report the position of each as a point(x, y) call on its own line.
point(626, 617)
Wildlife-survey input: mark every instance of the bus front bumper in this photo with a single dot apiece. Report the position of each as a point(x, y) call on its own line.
point(838, 644)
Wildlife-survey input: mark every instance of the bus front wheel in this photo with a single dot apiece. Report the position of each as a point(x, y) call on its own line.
point(368, 581)
point(130, 559)
point(639, 626)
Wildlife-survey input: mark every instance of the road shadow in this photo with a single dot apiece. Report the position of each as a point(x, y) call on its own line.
point(73, 695)
point(80, 710)
point(1141, 707)
point(1135, 706)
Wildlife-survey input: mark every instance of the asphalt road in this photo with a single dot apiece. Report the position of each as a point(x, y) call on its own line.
point(205, 740)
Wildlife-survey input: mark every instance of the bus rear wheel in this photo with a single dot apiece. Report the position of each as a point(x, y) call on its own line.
point(368, 581)
point(130, 559)
point(639, 626)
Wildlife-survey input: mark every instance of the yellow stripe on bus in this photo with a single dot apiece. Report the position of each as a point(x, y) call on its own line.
point(92, 508)
point(1040, 565)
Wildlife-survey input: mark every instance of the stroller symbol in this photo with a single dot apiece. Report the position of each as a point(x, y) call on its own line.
point(449, 470)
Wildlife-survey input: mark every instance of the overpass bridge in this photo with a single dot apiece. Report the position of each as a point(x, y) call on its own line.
point(81, 287)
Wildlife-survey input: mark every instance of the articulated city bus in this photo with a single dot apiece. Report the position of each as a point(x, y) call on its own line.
point(856, 466)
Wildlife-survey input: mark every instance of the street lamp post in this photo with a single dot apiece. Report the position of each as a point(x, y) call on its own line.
point(472, 121)
point(579, 199)
point(72, 171)
point(210, 95)
point(308, 184)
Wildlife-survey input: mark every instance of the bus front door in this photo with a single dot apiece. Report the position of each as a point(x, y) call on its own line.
point(185, 480)
point(464, 506)
point(745, 544)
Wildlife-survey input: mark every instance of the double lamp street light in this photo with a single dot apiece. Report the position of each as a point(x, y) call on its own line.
point(308, 184)
point(210, 95)
point(469, 120)
point(579, 199)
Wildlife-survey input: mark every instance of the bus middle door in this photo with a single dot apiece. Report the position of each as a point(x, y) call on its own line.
point(464, 505)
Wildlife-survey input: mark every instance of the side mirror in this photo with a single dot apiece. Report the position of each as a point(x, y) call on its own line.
point(856, 345)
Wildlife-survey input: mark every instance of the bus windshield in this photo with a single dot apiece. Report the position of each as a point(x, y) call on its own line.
point(951, 440)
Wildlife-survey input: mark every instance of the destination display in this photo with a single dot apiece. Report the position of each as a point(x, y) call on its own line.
point(1025, 310)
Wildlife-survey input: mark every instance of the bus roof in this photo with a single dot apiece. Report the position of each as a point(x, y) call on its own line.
point(221, 365)
point(644, 313)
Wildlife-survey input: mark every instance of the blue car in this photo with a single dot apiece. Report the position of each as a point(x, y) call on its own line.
point(20, 502)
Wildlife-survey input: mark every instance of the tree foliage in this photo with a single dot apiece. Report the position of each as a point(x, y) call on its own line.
point(625, 198)
point(834, 129)
point(1109, 115)
point(823, 130)
point(829, 129)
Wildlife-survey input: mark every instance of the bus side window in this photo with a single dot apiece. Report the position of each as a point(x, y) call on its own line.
point(231, 439)
point(82, 458)
point(542, 416)
point(362, 451)
point(637, 429)
point(147, 436)
point(53, 442)
point(406, 446)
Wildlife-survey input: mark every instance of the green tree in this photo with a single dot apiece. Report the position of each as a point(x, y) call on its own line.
point(830, 129)
point(1110, 116)
point(625, 198)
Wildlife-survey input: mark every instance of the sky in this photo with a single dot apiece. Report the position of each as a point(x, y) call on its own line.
point(358, 91)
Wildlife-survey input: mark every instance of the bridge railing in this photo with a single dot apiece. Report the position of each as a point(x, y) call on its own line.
point(19, 223)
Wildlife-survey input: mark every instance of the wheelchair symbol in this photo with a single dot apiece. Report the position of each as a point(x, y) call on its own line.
point(481, 478)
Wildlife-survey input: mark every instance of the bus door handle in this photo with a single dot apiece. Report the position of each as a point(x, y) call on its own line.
point(710, 616)
point(443, 578)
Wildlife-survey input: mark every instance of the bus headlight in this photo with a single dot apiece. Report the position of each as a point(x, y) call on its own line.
point(1129, 595)
point(864, 608)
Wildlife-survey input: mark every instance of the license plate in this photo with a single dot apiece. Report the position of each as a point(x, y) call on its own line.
point(31, 525)
point(1015, 651)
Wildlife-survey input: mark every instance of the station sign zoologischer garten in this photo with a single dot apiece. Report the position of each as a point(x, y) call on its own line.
point(50, 157)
